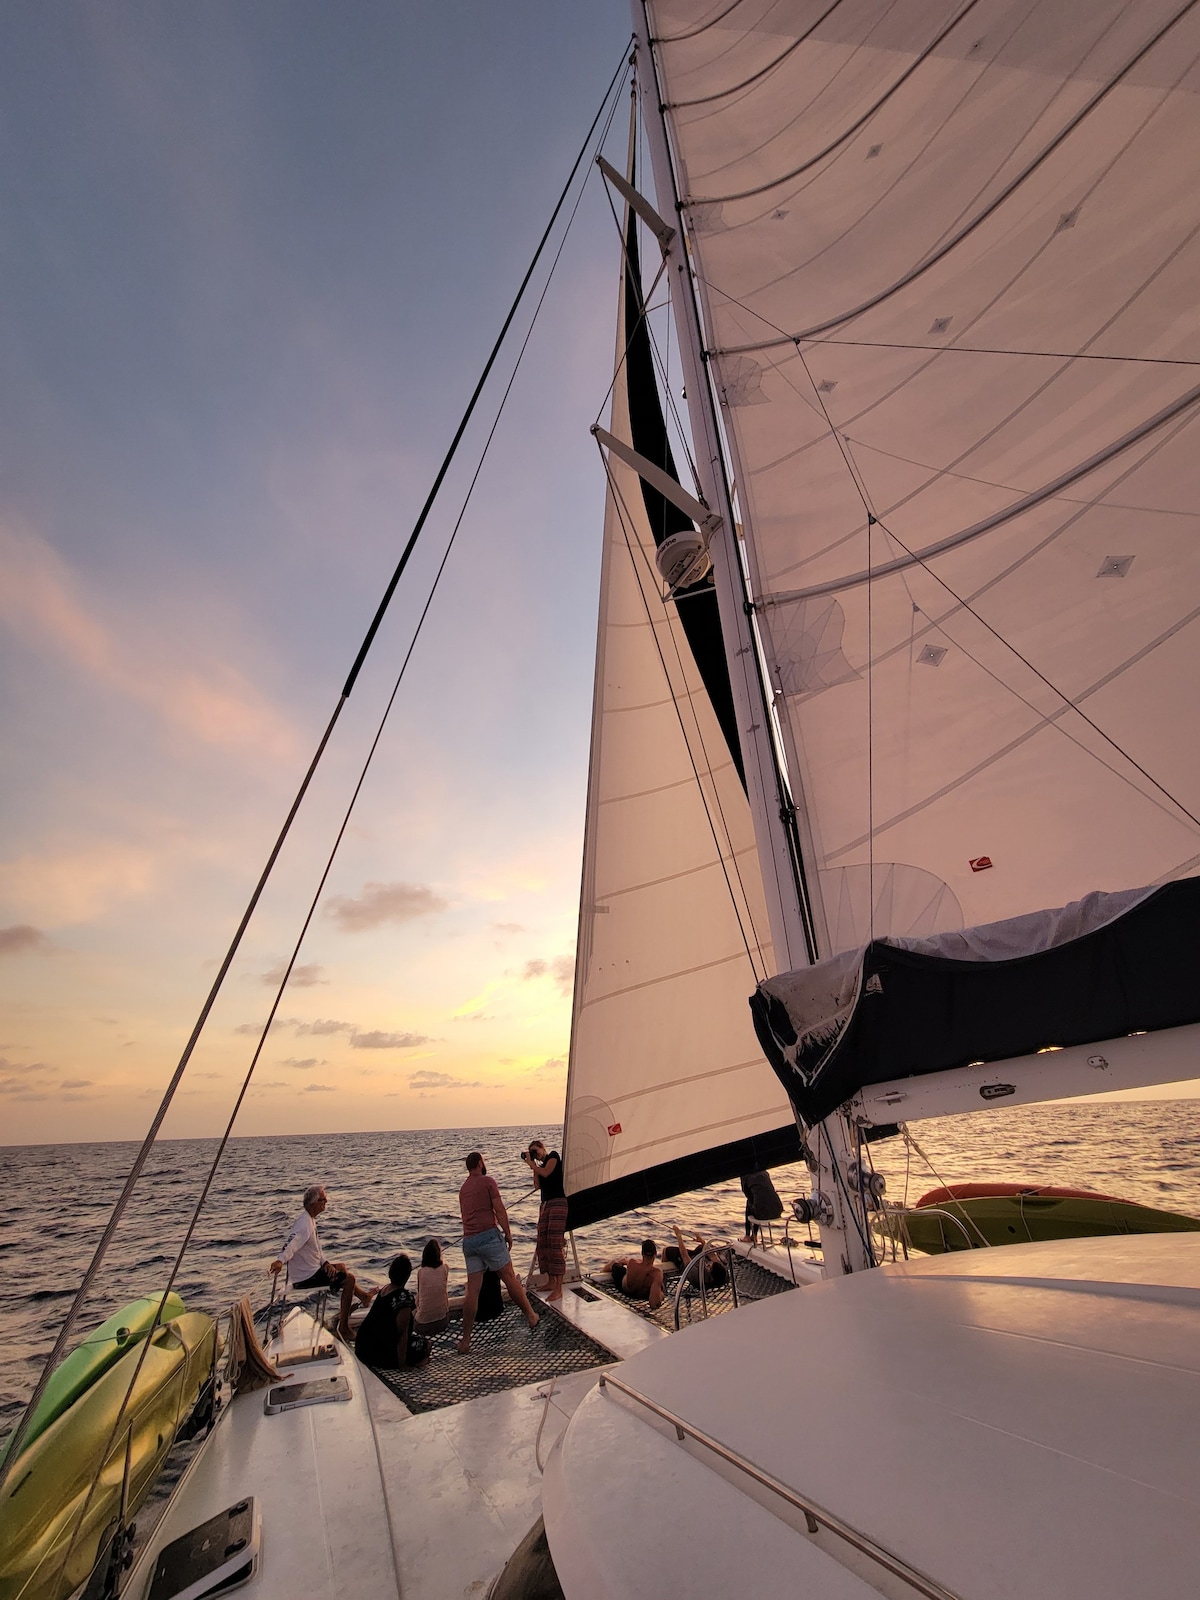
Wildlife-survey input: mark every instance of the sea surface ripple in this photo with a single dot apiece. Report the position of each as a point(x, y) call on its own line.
point(392, 1191)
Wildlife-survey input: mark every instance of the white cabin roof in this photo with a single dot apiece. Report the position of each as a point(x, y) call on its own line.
point(1021, 1420)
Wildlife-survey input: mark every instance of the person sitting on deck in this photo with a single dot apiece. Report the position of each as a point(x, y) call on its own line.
point(716, 1273)
point(308, 1269)
point(387, 1337)
point(487, 1241)
point(640, 1277)
point(433, 1297)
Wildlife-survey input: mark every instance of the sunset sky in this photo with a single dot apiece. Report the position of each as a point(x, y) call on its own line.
point(255, 257)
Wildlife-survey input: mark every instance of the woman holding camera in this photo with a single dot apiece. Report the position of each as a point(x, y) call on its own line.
point(547, 1172)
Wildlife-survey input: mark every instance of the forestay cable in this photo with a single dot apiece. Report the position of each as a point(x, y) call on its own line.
point(135, 1172)
point(317, 893)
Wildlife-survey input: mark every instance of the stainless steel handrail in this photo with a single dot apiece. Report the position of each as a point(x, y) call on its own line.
point(901, 1212)
point(815, 1516)
point(693, 1278)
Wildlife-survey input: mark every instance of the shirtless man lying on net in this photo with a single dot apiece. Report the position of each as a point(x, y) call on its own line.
point(640, 1277)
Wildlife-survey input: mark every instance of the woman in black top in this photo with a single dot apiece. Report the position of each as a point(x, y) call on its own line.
point(385, 1336)
point(552, 1218)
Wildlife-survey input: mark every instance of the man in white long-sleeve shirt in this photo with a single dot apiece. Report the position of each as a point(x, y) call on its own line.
point(308, 1269)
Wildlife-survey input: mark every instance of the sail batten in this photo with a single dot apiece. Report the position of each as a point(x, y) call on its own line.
point(946, 257)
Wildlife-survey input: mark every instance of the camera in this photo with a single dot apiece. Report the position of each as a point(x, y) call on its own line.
point(524, 1155)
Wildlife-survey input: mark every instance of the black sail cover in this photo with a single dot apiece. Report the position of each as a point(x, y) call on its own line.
point(1103, 968)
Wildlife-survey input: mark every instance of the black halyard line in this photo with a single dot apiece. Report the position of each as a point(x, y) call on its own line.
point(18, 1433)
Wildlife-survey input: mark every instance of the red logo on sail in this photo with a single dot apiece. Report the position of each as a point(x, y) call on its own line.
point(614, 1129)
point(980, 863)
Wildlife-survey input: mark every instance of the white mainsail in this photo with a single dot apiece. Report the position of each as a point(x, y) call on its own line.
point(673, 931)
point(947, 255)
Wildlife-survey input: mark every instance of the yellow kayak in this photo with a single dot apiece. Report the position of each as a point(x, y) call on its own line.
point(46, 1550)
point(91, 1359)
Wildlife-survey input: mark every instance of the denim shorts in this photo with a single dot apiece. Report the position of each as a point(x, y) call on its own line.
point(486, 1249)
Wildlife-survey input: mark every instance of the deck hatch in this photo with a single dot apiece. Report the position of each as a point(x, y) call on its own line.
point(213, 1558)
point(310, 1392)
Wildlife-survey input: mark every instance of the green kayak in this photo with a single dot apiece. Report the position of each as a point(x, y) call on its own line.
point(92, 1359)
point(51, 1521)
point(963, 1216)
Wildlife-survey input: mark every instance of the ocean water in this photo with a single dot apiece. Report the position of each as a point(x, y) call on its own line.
point(392, 1191)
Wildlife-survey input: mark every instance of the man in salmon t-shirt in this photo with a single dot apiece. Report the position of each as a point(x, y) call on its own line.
point(487, 1240)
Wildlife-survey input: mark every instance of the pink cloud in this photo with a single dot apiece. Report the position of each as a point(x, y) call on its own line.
point(209, 700)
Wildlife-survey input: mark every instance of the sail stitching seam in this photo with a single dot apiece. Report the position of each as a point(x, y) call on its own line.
point(1005, 194)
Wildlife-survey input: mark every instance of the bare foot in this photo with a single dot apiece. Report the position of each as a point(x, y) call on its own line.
point(463, 1347)
point(346, 1334)
point(551, 1298)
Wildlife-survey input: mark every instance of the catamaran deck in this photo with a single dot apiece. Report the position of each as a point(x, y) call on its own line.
point(1016, 1421)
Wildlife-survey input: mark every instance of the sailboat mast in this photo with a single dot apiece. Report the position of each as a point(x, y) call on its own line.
point(837, 1200)
point(770, 803)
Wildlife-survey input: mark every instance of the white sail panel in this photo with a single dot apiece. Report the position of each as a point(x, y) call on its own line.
point(948, 255)
point(673, 930)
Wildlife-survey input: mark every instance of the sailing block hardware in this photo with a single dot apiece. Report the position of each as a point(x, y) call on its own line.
point(219, 1555)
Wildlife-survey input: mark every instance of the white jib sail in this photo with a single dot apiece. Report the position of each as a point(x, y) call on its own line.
point(948, 254)
point(673, 928)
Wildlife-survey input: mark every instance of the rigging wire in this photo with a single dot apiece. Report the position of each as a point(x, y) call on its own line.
point(797, 891)
point(315, 900)
point(625, 518)
point(643, 315)
point(953, 1200)
point(984, 350)
point(872, 521)
point(671, 633)
point(1039, 674)
point(135, 1172)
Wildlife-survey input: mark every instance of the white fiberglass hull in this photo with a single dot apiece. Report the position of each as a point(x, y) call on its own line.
point(315, 1476)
